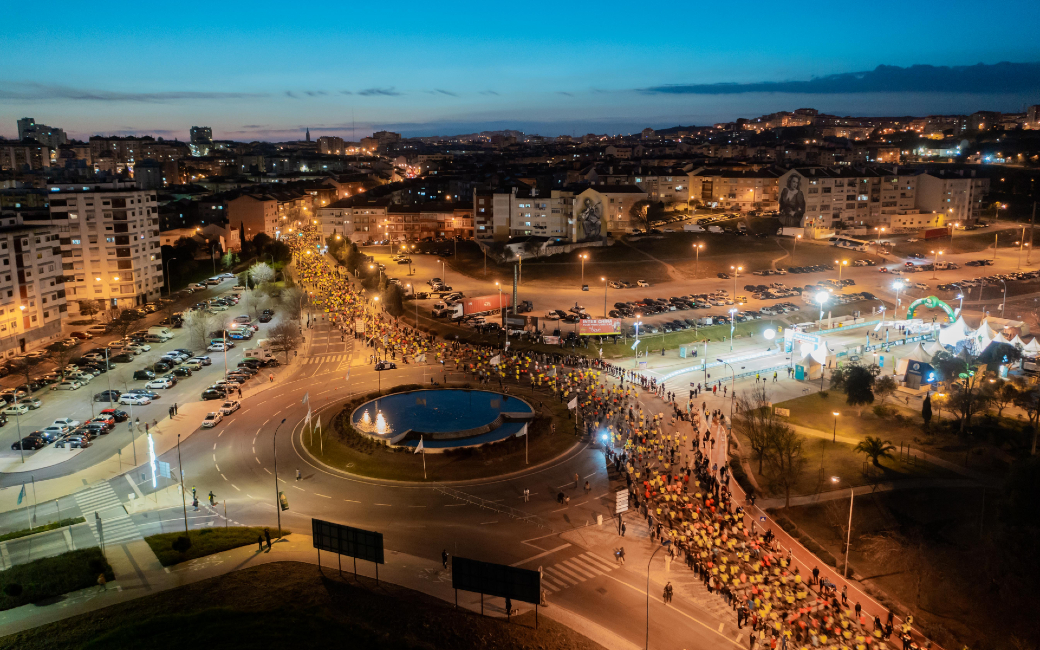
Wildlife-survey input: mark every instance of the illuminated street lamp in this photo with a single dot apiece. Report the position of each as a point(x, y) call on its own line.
point(736, 273)
point(583, 257)
point(841, 264)
point(834, 433)
point(898, 285)
point(697, 249)
point(732, 326)
point(935, 264)
point(822, 298)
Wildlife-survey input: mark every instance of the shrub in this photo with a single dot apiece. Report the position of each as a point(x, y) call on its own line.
point(181, 544)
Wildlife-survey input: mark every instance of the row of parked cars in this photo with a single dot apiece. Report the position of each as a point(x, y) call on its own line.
point(962, 285)
point(66, 432)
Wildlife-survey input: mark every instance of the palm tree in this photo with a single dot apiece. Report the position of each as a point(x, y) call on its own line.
point(875, 448)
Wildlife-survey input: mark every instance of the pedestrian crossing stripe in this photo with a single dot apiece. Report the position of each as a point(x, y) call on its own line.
point(116, 524)
point(326, 358)
point(575, 570)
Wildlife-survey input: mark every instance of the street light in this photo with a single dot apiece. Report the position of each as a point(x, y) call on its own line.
point(604, 297)
point(583, 257)
point(796, 238)
point(277, 501)
point(834, 433)
point(697, 249)
point(733, 392)
point(840, 264)
point(505, 325)
point(935, 264)
point(732, 325)
point(822, 297)
point(848, 539)
point(898, 285)
point(877, 243)
point(960, 296)
point(635, 344)
point(736, 273)
point(1004, 303)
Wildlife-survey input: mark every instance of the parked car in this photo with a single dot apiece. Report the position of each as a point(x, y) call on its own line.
point(130, 398)
point(107, 396)
point(229, 407)
point(29, 443)
point(386, 365)
point(116, 414)
point(16, 409)
point(212, 419)
point(161, 382)
point(144, 374)
point(68, 384)
point(213, 393)
point(74, 441)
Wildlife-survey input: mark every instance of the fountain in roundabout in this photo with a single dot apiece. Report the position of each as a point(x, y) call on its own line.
point(444, 418)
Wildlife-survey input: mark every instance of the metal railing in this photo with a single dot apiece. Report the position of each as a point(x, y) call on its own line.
point(495, 506)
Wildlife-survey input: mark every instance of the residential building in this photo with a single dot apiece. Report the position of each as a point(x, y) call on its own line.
point(602, 210)
point(826, 199)
point(253, 214)
point(955, 193)
point(380, 141)
point(332, 144)
point(32, 283)
point(735, 189)
point(522, 211)
point(109, 236)
point(48, 136)
point(200, 140)
point(24, 156)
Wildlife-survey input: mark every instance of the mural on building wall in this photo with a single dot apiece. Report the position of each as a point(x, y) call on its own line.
point(591, 220)
point(792, 203)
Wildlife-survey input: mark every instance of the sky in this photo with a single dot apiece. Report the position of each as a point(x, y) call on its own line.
point(264, 70)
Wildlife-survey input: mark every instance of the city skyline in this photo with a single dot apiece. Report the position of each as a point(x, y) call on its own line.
point(425, 71)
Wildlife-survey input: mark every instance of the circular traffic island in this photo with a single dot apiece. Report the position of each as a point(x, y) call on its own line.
point(412, 433)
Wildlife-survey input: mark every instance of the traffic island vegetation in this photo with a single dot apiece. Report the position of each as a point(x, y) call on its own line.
point(25, 532)
point(174, 548)
point(343, 448)
point(41, 580)
point(294, 605)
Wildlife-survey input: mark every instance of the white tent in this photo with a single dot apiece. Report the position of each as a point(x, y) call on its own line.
point(917, 354)
point(1017, 342)
point(999, 338)
point(955, 333)
point(934, 347)
point(984, 336)
point(1033, 347)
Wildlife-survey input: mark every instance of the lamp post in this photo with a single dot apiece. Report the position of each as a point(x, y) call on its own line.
point(951, 233)
point(877, 243)
point(736, 273)
point(898, 286)
point(834, 432)
point(635, 344)
point(732, 392)
point(665, 544)
point(822, 298)
point(960, 296)
point(583, 257)
point(841, 264)
point(697, 249)
point(1004, 303)
point(935, 264)
point(848, 538)
point(796, 238)
point(505, 326)
point(604, 297)
point(277, 501)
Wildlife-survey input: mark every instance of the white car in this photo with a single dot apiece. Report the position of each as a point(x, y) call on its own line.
point(217, 347)
point(33, 403)
point(218, 307)
point(642, 283)
point(161, 382)
point(68, 423)
point(16, 409)
point(921, 285)
point(55, 430)
point(130, 398)
point(227, 408)
point(68, 384)
point(212, 420)
point(191, 364)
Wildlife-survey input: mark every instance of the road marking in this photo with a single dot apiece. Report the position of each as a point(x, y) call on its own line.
point(592, 474)
point(223, 477)
point(220, 434)
point(214, 446)
point(453, 505)
point(720, 626)
point(381, 504)
point(540, 555)
point(267, 470)
point(257, 461)
point(254, 450)
point(562, 577)
point(530, 495)
point(560, 510)
point(351, 501)
point(416, 506)
point(577, 568)
point(321, 495)
point(485, 523)
point(137, 490)
point(236, 487)
point(296, 488)
point(217, 466)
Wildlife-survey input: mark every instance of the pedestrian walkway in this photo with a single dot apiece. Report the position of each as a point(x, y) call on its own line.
point(327, 358)
point(576, 570)
point(116, 525)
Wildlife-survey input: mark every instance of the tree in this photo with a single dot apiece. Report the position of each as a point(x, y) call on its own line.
point(26, 365)
point(227, 260)
point(284, 337)
point(926, 410)
point(261, 273)
point(875, 448)
point(884, 387)
point(1029, 401)
point(292, 301)
point(255, 302)
point(1004, 393)
point(859, 383)
point(645, 213)
point(89, 307)
point(756, 420)
point(125, 322)
point(61, 354)
point(198, 324)
point(786, 459)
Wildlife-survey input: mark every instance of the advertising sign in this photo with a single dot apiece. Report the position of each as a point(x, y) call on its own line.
point(599, 327)
point(620, 501)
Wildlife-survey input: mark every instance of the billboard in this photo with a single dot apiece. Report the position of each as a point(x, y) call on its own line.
point(345, 540)
point(599, 327)
point(496, 580)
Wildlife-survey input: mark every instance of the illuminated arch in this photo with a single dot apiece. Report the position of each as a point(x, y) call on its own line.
point(931, 302)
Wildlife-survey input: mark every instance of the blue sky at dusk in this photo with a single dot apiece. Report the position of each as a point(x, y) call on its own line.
point(268, 70)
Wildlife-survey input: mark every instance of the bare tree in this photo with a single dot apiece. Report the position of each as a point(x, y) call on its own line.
point(260, 273)
point(1004, 394)
point(884, 387)
point(61, 354)
point(126, 322)
point(198, 324)
point(26, 365)
point(255, 302)
point(786, 459)
point(89, 307)
point(284, 337)
point(756, 420)
point(292, 300)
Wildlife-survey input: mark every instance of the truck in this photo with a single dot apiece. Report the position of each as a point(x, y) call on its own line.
point(262, 351)
point(692, 227)
point(935, 233)
point(481, 305)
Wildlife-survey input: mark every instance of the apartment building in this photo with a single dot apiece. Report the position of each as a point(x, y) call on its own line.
point(670, 186)
point(360, 218)
point(109, 237)
point(735, 189)
point(956, 193)
point(603, 210)
point(32, 283)
point(522, 211)
point(844, 197)
point(253, 214)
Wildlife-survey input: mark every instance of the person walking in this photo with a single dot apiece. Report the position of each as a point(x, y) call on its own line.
point(576, 481)
point(297, 474)
point(623, 529)
point(527, 495)
point(444, 558)
point(587, 487)
point(621, 555)
point(267, 535)
point(102, 582)
point(260, 543)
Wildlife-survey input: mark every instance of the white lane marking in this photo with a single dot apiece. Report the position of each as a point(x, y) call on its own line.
point(453, 505)
point(351, 501)
point(485, 523)
point(297, 488)
point(592, 474)
point(214, 458)
point(237, 488)
point(217, 466)
point(540, 555)
point(416, 506)
point(579, 569)
point(258, 461)
point(214, 446)
point(223, 477)
point(720, 626)
point(137, 490)
point(381, 504)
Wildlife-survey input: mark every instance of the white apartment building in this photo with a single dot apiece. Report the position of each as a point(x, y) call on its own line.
point(110, 248)
point(520, 212)
point(32, 289)
point(666, 185)
point(956, 193)
point(846, 197)
point(735, 189)
point(359, 218)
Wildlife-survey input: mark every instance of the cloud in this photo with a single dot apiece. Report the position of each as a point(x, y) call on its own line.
point(998, 78)
point(386, 92)
point(253, 126)
point(290, 94)
point(489, 92)
point(345, 92)
point(566, 94)
point(438, 91)
point(315, 93)
point(17, 91)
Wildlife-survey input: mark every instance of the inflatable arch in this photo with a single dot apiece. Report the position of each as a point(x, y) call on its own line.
point(931, 302)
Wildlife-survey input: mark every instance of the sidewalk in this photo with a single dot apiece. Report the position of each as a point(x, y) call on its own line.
point(138, 573)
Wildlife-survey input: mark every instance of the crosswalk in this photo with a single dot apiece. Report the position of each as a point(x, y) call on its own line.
point(576, 570)
point(326, 358)
point(115, 523)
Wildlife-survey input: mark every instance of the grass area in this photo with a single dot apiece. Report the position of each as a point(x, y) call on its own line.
point(938, 554)
point(346, 450)
point(288, 604)
point(49, 577)
point(25, 532)
point(206, 541)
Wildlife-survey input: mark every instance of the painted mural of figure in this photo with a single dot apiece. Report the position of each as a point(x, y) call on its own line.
point(792, 203)
point(591, 220)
